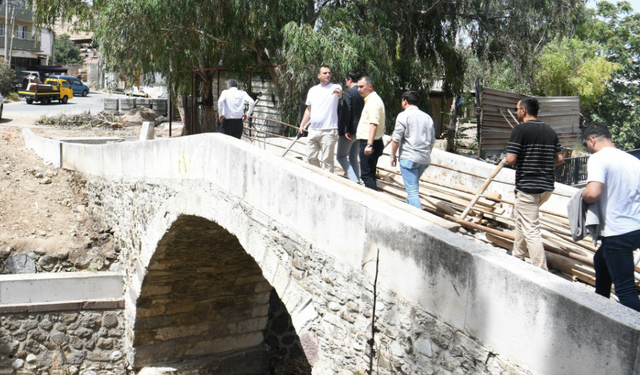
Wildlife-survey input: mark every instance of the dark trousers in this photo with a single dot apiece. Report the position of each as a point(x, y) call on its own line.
point(232, 127)
point(368, 162)
point(613, 262)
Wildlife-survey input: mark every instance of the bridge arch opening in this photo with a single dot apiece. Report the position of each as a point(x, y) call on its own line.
point(205, 304)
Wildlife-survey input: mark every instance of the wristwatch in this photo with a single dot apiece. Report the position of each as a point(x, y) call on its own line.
point(369, 145)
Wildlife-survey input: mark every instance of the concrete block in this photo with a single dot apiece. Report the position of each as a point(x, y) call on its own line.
point(59, 287)
point(50, 150)
point(147, 132)
point(160, 106)
point(143, 102)
point(158, 371)
point(111, 105)
point(127, 104)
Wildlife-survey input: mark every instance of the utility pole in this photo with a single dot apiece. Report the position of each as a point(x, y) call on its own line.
point(8, 26)
point(6, 36)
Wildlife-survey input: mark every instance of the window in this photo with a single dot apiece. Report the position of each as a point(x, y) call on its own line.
point(1, 28)
point(22, 32)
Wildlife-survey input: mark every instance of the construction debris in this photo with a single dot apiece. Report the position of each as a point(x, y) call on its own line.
point(84, 120)
point(139, 115)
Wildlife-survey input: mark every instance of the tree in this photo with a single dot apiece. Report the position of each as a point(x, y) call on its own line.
point(617, 30)
point(7, 75)
point(65, 52)
point(573, 67)
point(402, 44)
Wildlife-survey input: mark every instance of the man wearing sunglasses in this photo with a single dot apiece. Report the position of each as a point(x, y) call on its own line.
point(535, 149)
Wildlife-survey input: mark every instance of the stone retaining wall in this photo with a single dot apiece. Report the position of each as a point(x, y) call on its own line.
point(63, 343)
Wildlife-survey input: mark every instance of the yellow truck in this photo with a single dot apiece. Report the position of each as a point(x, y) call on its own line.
point(52, 89)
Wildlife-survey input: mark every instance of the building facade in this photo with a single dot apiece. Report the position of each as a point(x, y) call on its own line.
point(28, 47)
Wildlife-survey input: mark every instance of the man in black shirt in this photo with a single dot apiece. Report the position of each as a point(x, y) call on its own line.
point(348, 119)
point(535, 150)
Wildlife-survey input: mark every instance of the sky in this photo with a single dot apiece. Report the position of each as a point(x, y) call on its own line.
point(634, 3)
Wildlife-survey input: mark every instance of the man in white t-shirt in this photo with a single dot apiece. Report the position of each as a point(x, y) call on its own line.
point(322, 114)
point(613, 183)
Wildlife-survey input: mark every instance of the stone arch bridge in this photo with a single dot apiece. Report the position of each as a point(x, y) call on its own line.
point(234, 256)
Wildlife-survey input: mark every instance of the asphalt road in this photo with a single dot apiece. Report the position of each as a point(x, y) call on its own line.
point(23, 114)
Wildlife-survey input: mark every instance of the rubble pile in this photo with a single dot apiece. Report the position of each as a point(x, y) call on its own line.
point(84, 120)
point(139, 115)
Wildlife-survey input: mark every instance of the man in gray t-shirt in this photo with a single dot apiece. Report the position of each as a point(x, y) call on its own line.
point(414, 136)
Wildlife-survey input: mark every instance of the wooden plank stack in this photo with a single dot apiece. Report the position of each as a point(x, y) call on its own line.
point(572, 258)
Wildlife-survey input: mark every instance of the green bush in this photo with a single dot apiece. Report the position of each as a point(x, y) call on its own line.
point(6, 77)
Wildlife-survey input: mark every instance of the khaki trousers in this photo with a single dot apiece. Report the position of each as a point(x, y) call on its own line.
point(321, 146)
point(528, 238)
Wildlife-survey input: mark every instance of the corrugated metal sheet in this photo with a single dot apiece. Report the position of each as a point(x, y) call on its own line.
point(561, 113)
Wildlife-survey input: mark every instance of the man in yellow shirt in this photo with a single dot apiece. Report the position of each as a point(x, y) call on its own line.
point(370, 132)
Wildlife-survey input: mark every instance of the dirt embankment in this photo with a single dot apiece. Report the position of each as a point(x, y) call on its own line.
point(44, 225)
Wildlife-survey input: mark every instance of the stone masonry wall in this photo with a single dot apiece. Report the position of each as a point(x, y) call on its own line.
point(333, 303)
point(63, 343)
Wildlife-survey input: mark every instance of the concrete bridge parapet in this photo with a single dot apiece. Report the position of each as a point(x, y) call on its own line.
point(445, 303)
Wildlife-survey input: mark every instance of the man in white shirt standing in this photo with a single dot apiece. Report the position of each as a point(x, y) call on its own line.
point(322, 114)
point(231, 109)
point(613, 183)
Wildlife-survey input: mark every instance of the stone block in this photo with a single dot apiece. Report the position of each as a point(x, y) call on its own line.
point(170, 333)
point(160, 106)
point(111, 105)
point(143, 102)
point(147, 131)
point(21, 263)
point(302, 318)
point(226, 344)
point(252, 325)
point(127, 104)
point(158, 371)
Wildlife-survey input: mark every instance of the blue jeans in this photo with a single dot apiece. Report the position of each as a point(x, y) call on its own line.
point(411, 173)
point(613, 262)
point(347, 156)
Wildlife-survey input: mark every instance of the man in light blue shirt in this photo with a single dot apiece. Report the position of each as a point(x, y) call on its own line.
point(414, 137)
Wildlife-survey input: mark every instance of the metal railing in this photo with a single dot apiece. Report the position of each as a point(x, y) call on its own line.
point(18, 34)
point(573, 171)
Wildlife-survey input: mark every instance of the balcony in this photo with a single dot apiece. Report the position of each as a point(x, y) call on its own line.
point(26, 43)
